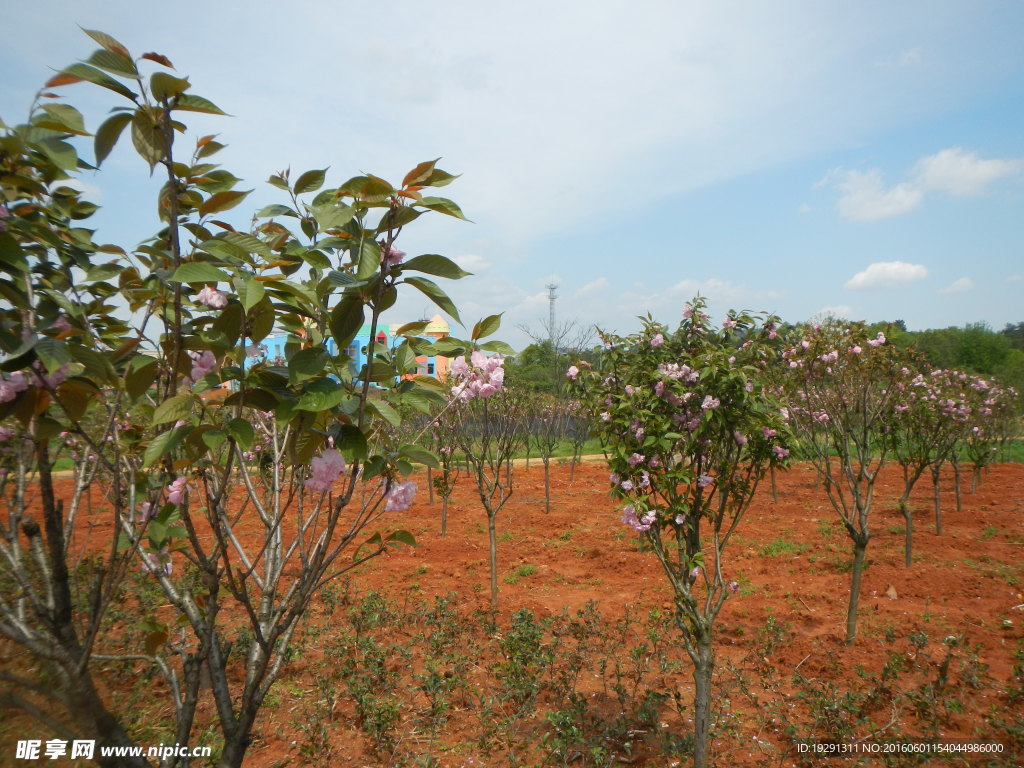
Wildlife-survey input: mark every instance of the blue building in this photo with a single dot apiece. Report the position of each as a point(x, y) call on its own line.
point(274, 347)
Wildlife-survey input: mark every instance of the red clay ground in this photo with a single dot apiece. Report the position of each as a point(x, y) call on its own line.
point(789, 559)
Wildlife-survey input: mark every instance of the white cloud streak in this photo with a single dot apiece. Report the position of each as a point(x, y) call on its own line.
point(887, 275)
point(864, 195)
point(962, 285)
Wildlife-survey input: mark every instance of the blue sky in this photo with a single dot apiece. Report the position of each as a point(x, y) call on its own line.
point(858, 158)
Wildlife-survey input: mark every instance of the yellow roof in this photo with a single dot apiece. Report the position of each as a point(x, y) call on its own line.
point(437, 325)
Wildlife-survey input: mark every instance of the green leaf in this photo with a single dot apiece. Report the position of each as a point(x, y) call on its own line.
point(174, 408)
point(441, 205)
point(199, 272)
point(397, 538)
point(321, 395)
point(114, 63)
point(310, 181)
point(351, 441)
point(147, 137)
point(250, 292)
point(332, 216)
point(432, 291)
point(95, 365)
point(141, 373)
point(61, 117)
point(242, 431)
point(307, 363)
point(192, 103)
point(96, 77)
point(53, 353)
point(214, 438)
point(222, 201)
point(386, 412)
point(163, 444)
point(109, 43)
point(346, 320)
point(247, 242)
point(435, 264)
point(165, 87)
point(276, 209)
point(497, 346)
point(421, 455)
point(486, 327)
point(369, 258)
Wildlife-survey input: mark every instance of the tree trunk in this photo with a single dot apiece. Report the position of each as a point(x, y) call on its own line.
point(908, 531)
point(430, 485)
point(775, 492)
point(547, 485)
point(702, 701)
point(938, 505)
point(493, 546)
point(860, 546)
point(444, 515)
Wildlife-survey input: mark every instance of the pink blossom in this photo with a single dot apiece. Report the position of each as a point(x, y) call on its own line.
point(729, 323)
point(11, 388)
point(393, 257)
point(61, 323)
point(5, 434)
point(605, 416)
point(638, 521)
point(695, 572)
point(635, 459)
point(739, 437)
point(459, 367)
point(202, 363)
point(657, 340)
point(659, 388)
point(400, 496)
point(856, 349)
point(572, 372)
point(680, 519)
point(878, 341)
point(768, 432)
point(212, 298)
point(710, 403)
point(734, 587)
point(780, 452)
point(626, 485)
point(176, 491)
point(324, 470)
point(705, 480)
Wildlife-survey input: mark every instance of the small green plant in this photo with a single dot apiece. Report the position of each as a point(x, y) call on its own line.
point(782, 546)
point(520, 572)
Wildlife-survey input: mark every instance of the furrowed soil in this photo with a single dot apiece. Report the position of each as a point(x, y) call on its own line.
point(402, 662)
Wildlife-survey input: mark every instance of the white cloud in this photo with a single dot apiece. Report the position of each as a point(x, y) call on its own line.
point(865, 197)
point(961, 173)
point(1015, 278)
point(959, 286)
point(473, 262)
point(594, 286)
point(887, 274)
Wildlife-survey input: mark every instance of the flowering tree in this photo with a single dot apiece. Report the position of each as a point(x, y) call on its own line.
point(931, 419)
point(690, 432)
point(842, 389)
point(173, 404)
point(488, 431)
point(443, 433)
point(546, 419)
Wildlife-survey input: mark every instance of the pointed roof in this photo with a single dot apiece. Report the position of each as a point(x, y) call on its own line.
point(437, 325)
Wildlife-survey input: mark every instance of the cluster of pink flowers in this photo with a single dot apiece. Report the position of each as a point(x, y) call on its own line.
point(400, 496)
point(324, 470)
point(202, 363)
point(176, 491)
point(657, 340)
point(572, 372)
point(878, 341)
point(392, 257)
point(211, 298)
point(35, 376)
point(482, 376)
point(639, 521)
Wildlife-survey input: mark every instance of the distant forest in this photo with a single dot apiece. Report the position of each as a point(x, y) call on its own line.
point(975, 348)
